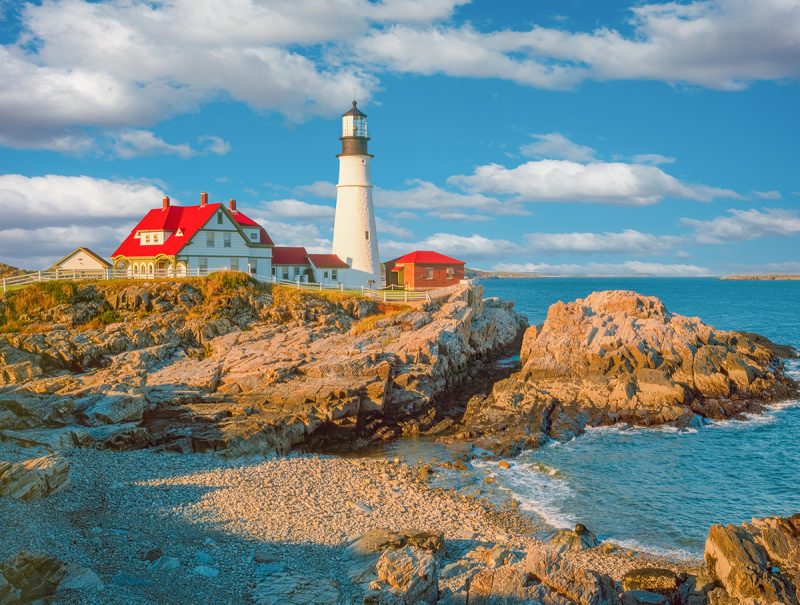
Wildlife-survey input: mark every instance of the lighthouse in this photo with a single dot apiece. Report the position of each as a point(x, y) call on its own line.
point(355, 237)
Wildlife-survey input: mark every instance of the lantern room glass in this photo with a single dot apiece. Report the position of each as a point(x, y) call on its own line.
point(354, 126)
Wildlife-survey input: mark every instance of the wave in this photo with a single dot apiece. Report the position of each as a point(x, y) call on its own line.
point(540, 489)
point(672, 553)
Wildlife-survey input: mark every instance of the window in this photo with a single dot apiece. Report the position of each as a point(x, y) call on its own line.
point(366, 235)
point(253, 264)
point(428, 273)
point(254, 235)
point(451, 273)
point(219, 218)
point(325, 274)
point(273, 269)
point(234, 263)
point(286, 273)
point(296, 271)
point(147, 239)
point(226, 240)
point(202, 262)
point(334, 274)
point(209, 239)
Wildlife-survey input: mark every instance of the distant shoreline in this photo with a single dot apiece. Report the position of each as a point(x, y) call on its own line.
point(773, 277)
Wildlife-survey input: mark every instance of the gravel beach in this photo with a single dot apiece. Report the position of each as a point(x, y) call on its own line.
point(228, 522)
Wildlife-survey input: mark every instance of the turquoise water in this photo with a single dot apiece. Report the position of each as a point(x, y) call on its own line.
point(660, 489)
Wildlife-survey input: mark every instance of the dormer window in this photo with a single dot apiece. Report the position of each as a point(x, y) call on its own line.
point(254, 235)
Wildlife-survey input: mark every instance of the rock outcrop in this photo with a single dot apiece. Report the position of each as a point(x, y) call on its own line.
point(34, 478)
point(755, 563)
point(233, 367)
point(620, 357)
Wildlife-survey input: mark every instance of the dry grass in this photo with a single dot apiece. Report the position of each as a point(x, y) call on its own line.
point(384, 311)
point(27, 302)
point(287, 295)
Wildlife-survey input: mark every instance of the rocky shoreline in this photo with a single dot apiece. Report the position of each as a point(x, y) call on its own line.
point(105, 389)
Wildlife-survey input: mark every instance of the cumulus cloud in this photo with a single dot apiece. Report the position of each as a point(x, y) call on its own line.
point(745, 225)
point(721, 44)
point(768, 195)
point(319, 189)
point(632, 268)
point(628, 241)
point(294, 209)
point(297, 234)
point(467, 247)
point(652, 158)
point(389, 228)
point(601, 182)
point(555, 145)
point(47, 216)
point(134, 143)
point(424, 195)
point(214, 144)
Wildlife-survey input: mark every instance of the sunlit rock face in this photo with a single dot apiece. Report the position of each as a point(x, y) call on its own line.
point(618, 356)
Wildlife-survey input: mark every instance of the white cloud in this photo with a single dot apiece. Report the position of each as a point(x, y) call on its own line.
point(602, 182)
point(630, 268)
point(319, 189)
point(134, 143)
point(296, 234)
point(214, 144)
point(722, 44)
point(628, 241)
point(556, 146)
point(745, 225)
point(652, 158)
point(389, 228)
point(293, 209)
point(457, 215)
point(768, 195)
point(45, 245)
point(468, 247)
point(423, 195)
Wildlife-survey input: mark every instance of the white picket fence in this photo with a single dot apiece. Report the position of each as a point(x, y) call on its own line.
point(390, 294)
point(101, 274)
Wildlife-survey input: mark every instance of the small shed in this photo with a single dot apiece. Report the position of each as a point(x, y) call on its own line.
point(424, 269)
point(81, 259)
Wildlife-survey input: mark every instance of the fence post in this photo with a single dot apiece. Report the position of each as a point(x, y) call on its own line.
point(341, 287)
point(384, 296)
point(4, 284)
point(406, 299)
point(40, 276)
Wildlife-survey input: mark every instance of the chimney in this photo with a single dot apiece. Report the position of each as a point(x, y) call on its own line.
point(232, 205)
point(165, 202)
point(204, 199)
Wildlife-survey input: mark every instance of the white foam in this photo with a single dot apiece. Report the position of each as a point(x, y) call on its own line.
point(672, 553)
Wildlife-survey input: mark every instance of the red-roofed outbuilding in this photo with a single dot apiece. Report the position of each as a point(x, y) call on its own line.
point(424, 269)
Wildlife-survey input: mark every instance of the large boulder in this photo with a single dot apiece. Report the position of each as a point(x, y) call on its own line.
point(619, 356)
point(34, 478)
point(409, 574)
point(583, 586)
point(757, 561)
point(578, 539)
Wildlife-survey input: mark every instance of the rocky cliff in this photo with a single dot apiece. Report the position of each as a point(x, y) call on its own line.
point(227, 365)
point(619, 356)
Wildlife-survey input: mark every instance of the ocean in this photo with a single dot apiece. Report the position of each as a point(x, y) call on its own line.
point(660, 489)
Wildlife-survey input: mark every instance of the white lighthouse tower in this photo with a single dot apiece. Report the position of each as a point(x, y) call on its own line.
point(355, 237)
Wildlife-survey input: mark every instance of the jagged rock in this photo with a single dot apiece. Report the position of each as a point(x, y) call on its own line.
point(409, 573)
point(618, 356)
point(307, 370)
point(34, 478)
point(739, 559)
point(28, 577)
point(652, 579)
point(578, 539)
point(282, 587)
point(583, 586)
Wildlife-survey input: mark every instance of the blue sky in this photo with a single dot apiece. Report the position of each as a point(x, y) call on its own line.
point(558, 136)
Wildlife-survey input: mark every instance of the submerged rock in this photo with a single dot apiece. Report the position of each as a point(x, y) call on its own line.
point(618, 356)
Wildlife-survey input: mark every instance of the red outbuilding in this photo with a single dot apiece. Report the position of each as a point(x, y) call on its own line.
point(424, 269)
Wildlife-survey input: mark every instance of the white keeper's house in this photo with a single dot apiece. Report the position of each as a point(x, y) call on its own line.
point(182, 240)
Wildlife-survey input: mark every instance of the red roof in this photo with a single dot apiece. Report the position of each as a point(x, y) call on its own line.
point(427, 257)
point(328, 261)
point(289, 255)
point(186, 219)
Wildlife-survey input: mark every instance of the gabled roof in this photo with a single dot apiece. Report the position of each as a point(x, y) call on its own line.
point(427, 257)
point(184, 222)
point(94, 255)
point(289, 255)
point(327, 261)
